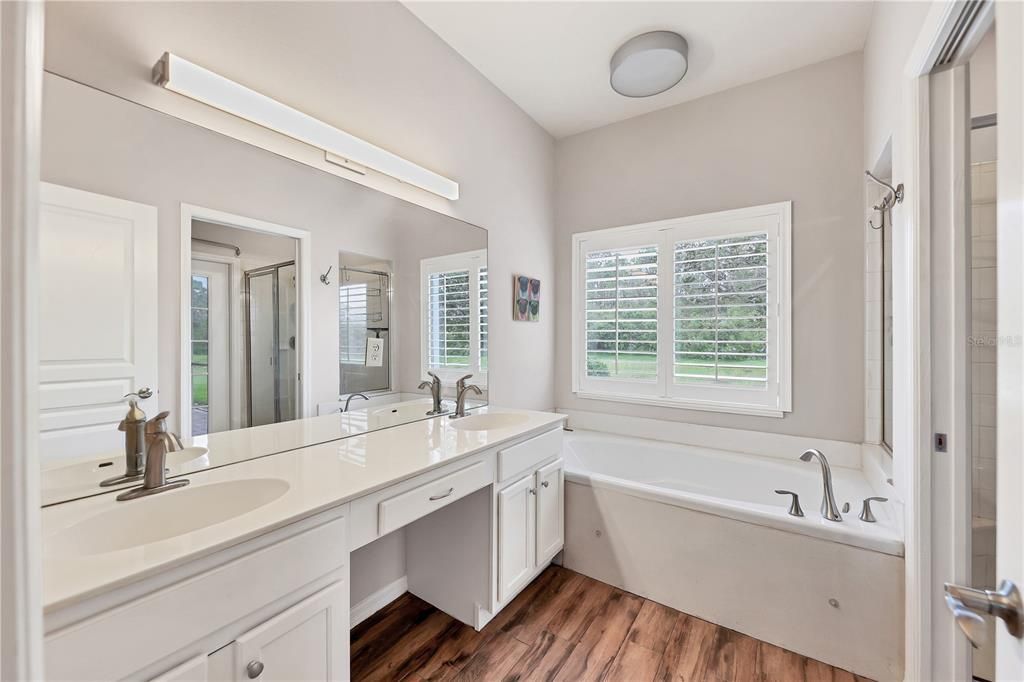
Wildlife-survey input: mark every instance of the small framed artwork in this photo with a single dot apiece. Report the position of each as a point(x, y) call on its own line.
point(525, 298)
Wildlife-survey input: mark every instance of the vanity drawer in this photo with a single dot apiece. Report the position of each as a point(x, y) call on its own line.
point(400, 510)
point(520, 458)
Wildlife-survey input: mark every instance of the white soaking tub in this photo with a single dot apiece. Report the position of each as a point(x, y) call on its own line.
point(703, 531)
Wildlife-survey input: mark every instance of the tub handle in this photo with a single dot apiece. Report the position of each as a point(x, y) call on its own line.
point(794, 506)
point(865, 510)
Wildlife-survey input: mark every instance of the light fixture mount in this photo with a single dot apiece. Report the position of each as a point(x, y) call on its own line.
point(649, 63)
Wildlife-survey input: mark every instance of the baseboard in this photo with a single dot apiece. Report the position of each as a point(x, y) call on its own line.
point(378, 600)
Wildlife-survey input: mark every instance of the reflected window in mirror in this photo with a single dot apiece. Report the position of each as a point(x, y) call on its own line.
point(364, 327)
point(200, 353)
point(454, 322)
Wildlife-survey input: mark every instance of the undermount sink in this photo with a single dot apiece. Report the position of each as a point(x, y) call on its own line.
point(487, 422)
point(166, 515)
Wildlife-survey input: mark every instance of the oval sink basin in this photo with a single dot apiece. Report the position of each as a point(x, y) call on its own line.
point(166, 515)
point(487, 422)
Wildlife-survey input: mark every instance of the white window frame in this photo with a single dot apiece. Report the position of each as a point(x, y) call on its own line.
point(472, 261)
point(775, 220)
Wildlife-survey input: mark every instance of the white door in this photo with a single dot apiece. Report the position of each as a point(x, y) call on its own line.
point(516, 536)
point(97, 317)
point(211, 347)
point(1010, 263)
point(306, 643)
point(550, 511)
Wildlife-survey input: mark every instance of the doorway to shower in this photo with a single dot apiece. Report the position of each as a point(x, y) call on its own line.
point(270, 296)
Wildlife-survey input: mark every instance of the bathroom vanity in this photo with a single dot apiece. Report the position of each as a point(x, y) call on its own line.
point(244, 573)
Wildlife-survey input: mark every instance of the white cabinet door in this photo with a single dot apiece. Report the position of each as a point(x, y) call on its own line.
point(97, 317)
point(306, 643)
point(516, 536)
point(550, 511)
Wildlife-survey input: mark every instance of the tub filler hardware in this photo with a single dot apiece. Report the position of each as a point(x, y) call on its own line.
point(969, 605)
point(865, 510)
point(829, 510)
point(159, 441)
point(794, 504)
point(348, 400)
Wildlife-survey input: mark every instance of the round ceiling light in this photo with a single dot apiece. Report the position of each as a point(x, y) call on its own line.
point(649, 63)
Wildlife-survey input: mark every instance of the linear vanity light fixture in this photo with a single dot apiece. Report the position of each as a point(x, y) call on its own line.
point(193, 81)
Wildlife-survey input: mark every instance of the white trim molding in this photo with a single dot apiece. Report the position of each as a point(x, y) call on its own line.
point(21, 75)
point(378, 600)
point(304, 290)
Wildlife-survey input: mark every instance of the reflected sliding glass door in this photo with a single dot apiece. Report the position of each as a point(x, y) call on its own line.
point(271, 329)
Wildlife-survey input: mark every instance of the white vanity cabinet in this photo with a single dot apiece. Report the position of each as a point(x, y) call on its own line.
point(306, 642)
point(531, 516)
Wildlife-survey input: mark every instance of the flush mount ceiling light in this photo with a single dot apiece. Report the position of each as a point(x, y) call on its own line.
point(649, 63)
point(195, 82)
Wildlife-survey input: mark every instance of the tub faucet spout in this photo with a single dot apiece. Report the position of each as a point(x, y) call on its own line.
point(829, 510)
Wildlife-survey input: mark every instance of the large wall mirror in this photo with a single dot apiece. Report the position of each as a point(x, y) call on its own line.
point(262, 304)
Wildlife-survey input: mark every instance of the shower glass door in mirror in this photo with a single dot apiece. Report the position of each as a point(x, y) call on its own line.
point(269, 305)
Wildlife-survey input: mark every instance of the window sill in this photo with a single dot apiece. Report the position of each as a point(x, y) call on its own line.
point(679, 404)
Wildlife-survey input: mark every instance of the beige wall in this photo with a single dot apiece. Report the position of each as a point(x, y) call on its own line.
point(376, 71)
point(797, 136)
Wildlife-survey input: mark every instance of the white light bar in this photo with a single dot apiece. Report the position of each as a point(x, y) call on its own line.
point(185, 78)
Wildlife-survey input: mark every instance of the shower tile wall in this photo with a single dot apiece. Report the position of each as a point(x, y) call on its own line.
point(983, 366)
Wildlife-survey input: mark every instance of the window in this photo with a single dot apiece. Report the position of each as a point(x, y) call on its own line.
point(352, 323)
point(691, 313)
point(454, 322)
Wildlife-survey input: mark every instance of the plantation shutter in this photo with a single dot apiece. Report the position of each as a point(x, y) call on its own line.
point(483, 318)
point(352, 324)
point(621, 313)
point(448, 319)
point(720, 305)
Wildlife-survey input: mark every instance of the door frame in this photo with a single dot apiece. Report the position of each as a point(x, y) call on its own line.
point(933, 648)
point(304, 286)
point(21, 72)
point(234, 333)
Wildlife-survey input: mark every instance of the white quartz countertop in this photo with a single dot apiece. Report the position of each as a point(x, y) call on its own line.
point(319, 477)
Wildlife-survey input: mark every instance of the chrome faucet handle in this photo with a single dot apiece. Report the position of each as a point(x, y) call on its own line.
point(434, 378)
point(461, 383)
point(865, 511)
point(142, 394)
point(794, 505)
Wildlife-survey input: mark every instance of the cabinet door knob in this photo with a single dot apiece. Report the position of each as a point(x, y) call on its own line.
point(545, 483)
point(254, 669)
point(533, 491)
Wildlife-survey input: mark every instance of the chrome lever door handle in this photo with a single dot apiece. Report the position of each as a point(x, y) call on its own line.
point(968, 605)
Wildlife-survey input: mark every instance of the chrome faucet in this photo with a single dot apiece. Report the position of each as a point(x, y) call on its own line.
point(829, 510)
point(435, 393)
point(159, 441)
point(349, 400)
point(134, 427)
point(461, 389)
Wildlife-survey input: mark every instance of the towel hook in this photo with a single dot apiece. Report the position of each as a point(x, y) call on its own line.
point(895, 197)
point(325, 277)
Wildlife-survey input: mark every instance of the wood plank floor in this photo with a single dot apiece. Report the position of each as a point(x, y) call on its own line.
point(565, 626)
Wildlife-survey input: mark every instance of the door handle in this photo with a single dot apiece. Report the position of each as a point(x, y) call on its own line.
point(969, 605)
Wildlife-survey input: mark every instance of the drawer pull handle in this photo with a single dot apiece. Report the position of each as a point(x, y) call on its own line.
point(254, 669)
point(545, 483)
point(435, 498)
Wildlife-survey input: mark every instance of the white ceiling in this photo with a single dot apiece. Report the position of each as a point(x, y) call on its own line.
point(551, 58)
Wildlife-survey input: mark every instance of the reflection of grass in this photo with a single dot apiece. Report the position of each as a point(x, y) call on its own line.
point(632, 365)
point(200, 389)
